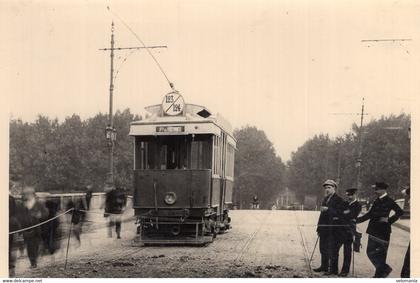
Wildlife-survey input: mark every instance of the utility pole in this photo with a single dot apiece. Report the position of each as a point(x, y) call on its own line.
point(110, 131)
point(359, 156)
point(359, 149)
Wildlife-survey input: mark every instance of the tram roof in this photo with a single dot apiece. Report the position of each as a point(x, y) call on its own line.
point(192, 114)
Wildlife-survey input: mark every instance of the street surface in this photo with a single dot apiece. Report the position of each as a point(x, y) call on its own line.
point(262, 243)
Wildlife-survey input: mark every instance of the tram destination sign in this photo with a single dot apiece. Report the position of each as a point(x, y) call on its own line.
point(173, 104)
point(170, 129)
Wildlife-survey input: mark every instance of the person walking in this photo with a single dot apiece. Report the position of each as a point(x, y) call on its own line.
point(50, 230)
point(88, 196)
point(33, 212)
point(379, 228)
point(349, 232)
point(115, 203)
point(77, 216)
point(14, 225)
point(329, 224)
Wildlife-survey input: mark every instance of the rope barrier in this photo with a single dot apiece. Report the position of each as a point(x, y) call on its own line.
point(143, 216)
point(41, 223)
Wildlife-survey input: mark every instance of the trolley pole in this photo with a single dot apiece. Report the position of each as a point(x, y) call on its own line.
point(110, 131)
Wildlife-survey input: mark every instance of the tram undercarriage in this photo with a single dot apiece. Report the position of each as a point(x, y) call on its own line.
point(160, 230)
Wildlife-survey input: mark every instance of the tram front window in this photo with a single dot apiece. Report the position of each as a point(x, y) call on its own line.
point(173, 152)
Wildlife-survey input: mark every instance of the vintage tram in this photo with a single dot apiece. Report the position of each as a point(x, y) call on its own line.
point(183, 173)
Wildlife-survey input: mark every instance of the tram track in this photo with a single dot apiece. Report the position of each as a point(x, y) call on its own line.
point(250, 240)
point(303, 243)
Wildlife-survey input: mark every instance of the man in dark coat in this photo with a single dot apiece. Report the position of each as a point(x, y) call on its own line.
point(349, 232)
point(330, 223)
point(379, 228)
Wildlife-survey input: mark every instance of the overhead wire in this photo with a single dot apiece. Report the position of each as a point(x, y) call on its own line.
point(144, 45)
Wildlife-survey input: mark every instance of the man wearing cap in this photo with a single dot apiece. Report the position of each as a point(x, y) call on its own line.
point(349, 232)
point(379, 228)
point(330, 219)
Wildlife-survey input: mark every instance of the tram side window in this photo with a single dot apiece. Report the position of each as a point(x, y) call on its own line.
point(217, 151)
point(230, 160)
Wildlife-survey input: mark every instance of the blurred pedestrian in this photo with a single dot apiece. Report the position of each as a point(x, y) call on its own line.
point(77, 216)
point(332, 209)
point(51, 233)
point(405, 271)
point(115, 202)
point(88, 196)
point(14, 225)
point(32, 213)
point(349, 232)
point(379, 228)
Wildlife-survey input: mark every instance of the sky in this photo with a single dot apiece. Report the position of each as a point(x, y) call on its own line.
point(283, 66)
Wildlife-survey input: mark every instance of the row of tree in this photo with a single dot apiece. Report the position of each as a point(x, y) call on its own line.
point(67, 156)
point(385, 156)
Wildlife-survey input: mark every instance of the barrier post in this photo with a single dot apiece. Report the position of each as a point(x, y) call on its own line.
point(313, 251)
point(68, 239)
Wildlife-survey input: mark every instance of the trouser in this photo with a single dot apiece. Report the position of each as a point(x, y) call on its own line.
point(377, 250)
point(405, 272)
point(32, 247)
point(115, 219)
point(347, 254)
point(329, 247)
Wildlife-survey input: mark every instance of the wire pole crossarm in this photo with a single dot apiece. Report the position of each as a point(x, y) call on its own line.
point(135, 47)
point(386, 39)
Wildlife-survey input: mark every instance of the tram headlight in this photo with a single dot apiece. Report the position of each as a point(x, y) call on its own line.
point(170, 198)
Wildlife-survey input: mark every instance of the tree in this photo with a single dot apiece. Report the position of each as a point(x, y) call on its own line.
point(258, 171)
point(385, 157)
point(310, 166)
point(70, 155)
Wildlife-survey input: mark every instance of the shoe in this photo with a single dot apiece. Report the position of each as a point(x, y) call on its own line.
point(328, 273)
point(118, 237)
point(343, 274)
point(387, 271)
point(34, 265)
point(320, 269)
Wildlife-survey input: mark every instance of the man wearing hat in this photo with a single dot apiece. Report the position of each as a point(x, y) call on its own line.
point(349, 232)
point(379, 228)
point(330, 219)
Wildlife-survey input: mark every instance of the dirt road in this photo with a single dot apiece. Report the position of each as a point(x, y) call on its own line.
point(261, 244)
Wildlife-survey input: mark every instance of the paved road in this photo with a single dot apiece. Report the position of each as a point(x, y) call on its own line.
point(262, 243)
